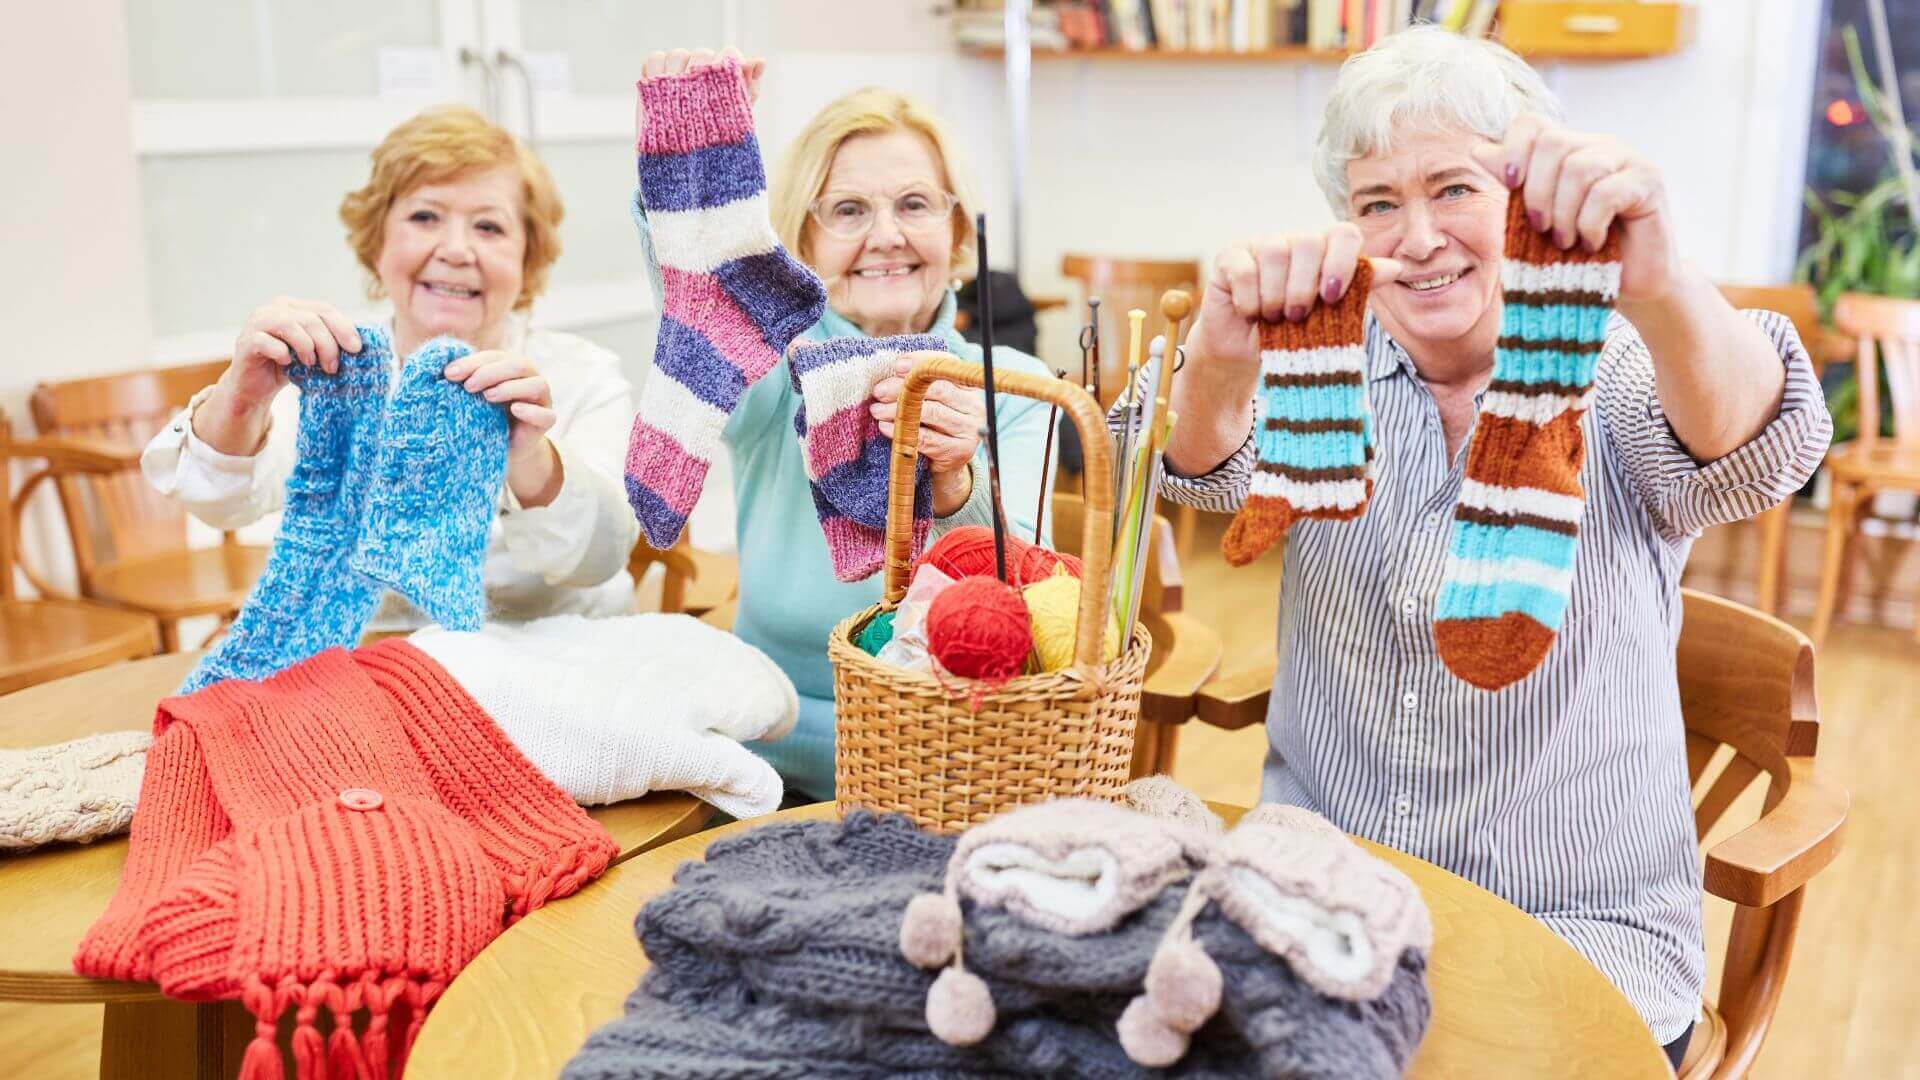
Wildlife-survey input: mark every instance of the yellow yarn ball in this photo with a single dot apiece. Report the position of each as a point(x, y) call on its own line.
point(1053, 606)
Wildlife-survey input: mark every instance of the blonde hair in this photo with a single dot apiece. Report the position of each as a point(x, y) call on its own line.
point(802, 175)
point(1425, 79)
point(438, 144)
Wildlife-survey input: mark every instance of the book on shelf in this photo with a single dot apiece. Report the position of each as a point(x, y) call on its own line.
point(1217, 26)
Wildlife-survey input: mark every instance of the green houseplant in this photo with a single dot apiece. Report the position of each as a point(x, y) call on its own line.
point(1866, 242)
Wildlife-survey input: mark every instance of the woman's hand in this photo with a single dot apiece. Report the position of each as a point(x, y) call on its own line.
point(680, 61)
point(278, 334)
point(533, 466)
point(951, 419)
point(1270, 279)
point(1577, 185)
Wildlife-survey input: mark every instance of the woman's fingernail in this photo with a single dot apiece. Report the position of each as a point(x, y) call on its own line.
point(1538, 220)
point(1513, 175)
point(1296, 313)
point(1331, 289)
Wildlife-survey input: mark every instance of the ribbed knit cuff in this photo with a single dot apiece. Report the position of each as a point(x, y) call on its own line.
point(704, 107)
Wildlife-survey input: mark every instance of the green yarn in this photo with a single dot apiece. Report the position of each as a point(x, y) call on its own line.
point(877, 633)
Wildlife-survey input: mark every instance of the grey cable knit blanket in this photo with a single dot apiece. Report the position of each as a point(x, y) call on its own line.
point(779, 957)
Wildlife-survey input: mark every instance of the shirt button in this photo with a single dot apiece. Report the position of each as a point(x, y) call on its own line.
point(1409, 701)
point(1403, 806)
point(359, 798)
point(1433, 521)
point(1409, 607)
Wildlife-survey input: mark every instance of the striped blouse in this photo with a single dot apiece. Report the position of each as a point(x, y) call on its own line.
point(1567, 792)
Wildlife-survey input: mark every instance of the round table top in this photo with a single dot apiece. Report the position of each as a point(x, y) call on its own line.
point(51, 896)
point(1509, 997)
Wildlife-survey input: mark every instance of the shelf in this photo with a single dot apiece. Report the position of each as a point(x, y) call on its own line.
point(1282, 53)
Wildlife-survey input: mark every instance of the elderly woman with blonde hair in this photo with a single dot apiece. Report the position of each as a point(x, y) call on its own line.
point(457, 226)
point(1550, 768)
point(873, 199)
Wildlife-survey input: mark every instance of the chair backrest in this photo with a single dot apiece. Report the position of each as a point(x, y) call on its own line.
point(1888, 333)
point(1122, 284)
point(1162, 571)
point(1746, 682)
point(124, 410)
point(7, 586)
point(1747, 697)
point(1801, 305)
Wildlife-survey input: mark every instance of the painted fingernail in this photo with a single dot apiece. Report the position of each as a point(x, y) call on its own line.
point(1331, 289)
point(1513, 175)
point(1562, 239)
point(1296, 313)
point(1538, 220)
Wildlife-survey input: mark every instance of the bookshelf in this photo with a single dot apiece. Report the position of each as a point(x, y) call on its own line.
point(1278, 54)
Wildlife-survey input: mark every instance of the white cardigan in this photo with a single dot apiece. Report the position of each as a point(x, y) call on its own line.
point(569, 556)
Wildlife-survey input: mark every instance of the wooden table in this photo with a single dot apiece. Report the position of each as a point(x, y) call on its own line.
point(53, 895)
point(1509, 998)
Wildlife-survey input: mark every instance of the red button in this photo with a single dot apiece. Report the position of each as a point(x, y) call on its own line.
point(359, 798)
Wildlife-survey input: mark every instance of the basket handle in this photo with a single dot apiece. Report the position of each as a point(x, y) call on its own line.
point(1096, 531)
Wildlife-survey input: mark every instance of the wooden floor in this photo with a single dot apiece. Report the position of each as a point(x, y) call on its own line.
point(1852, 1003)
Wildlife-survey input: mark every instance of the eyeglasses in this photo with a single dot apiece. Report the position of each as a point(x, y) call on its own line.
point(850, 214)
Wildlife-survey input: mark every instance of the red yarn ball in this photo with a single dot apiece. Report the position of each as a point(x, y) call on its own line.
point(968, 552)
point(978, 628)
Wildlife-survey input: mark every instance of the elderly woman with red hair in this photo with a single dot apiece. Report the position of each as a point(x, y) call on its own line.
point(457, 226)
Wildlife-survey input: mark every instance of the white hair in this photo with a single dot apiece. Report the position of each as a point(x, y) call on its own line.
point(1422, 79)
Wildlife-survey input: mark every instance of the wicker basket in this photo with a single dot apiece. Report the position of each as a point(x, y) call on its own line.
point(949, 752)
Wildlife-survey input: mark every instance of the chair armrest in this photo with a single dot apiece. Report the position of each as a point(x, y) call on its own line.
point(1237, 699)
point(1188, 653)
point(1792, 841)
point(67, 454)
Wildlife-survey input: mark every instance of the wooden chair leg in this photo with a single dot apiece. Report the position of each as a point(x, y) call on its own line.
point(169, 636)
point(1840, 525)
point(1773, 556)
point(1185, 523)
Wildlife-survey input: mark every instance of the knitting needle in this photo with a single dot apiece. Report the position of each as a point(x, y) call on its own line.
point(1130, 411)
point(1133, 515)
point(1175, 306)
point(1046, 463)
point(1089, 344)
point(984, 311)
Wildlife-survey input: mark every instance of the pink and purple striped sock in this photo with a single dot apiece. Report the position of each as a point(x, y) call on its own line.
point(846, 456)
point(732, 298)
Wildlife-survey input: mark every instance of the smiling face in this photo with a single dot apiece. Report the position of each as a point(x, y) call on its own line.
point(892, 279)
point(1432, 207)
point(452, 258)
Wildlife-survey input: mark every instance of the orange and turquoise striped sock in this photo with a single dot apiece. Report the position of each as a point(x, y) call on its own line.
point(1516, 526)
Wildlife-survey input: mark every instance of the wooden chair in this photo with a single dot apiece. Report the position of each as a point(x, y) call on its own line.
point(1746, 684)
point(1186, 651)
point(46, 639)
point(1888, 331)
point(1123, 284)
point(150, 568)
point(1798, 304)
point(695, 583)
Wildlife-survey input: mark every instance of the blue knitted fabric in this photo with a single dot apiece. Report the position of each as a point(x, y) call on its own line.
point(307, 600)
point(436, 485)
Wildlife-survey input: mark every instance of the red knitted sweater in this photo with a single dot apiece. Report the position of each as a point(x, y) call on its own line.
point(346, 834)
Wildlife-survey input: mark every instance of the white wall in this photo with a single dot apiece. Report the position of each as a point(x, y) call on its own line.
point(73, 288)
point(73, 284)
point(1168, 159)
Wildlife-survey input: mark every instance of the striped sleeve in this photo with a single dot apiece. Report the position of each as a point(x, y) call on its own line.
point(1683, 496)
point(1221, 491)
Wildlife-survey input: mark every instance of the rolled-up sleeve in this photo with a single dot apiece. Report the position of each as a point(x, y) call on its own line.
point(1683, 496)
point(227, 491)
point(1222, 490)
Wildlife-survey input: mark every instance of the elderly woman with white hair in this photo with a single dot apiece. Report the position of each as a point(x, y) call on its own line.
point(1564, 788)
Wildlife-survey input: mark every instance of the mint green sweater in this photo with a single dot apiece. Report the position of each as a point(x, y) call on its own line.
point(789, 598)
